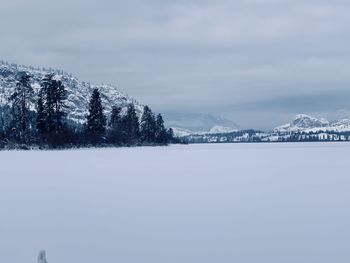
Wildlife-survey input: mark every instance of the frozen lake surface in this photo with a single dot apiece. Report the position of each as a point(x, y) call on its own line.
point(256, 203)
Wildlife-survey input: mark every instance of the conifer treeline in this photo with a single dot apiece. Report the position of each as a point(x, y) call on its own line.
point(49, 126)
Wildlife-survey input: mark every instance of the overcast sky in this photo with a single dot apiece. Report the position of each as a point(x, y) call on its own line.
point(257, 62)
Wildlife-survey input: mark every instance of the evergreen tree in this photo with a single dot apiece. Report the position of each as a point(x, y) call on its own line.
point(47, 91)
point(59, 98)
point(96, 120)
point(170, 136)
point(5, 121)
point(54, 96)
point(148, 126)
point(115, 133)
point(21, 98)
point(161, 132)
point(130, 125)
point(40, 119)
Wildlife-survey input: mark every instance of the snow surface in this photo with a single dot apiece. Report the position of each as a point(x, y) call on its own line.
point(220, 203)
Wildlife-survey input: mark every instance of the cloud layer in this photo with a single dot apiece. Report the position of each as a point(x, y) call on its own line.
point(255, 61)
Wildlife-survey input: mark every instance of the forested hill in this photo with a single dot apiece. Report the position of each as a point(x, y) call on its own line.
point(51, 108)
point(77, 91)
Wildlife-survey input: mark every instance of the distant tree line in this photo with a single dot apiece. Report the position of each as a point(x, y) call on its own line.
point(47, 126)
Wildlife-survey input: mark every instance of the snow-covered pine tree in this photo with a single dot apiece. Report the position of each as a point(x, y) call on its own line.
point(130, 125)
point(21, 98)
point(40, 119)
point(96, 120)
point(115, 126)
point(161, 133)
point(54, 96)
point(170, 136)
point(47, 91)
point(60, 107)
point(148, 125)
point(42, 257)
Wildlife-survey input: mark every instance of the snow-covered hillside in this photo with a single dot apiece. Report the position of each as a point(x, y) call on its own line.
point(78, 91)
point(185, 124)
point(181, 132)
point(306, 123)
point(222, 129)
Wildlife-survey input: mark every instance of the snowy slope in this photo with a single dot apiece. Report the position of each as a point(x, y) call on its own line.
point(181, 132)
point(78, 91)
point(222, 129)
point(198, 123)
point(306, 123)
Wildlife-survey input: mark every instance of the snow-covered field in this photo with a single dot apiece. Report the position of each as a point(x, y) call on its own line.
point(256, 203)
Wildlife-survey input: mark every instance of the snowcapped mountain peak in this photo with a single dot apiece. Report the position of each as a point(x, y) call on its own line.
point(222, 129)
point(185, 124)
point(306, 123)
point(302, 122)
point(181, 132)
point(302, 116)
point(78, 91)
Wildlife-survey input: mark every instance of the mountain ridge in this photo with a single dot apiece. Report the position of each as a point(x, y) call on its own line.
point(308, 124)
point(78, 91)
point(185, 124)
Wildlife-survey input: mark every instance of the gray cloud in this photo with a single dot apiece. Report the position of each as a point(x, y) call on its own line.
point(256, 62)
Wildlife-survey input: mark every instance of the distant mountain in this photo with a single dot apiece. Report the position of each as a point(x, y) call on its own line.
point(180, 132)
point(301, 128)
point(78, 91)
point(185, 124)
point(222, 129)
point(308, 124)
